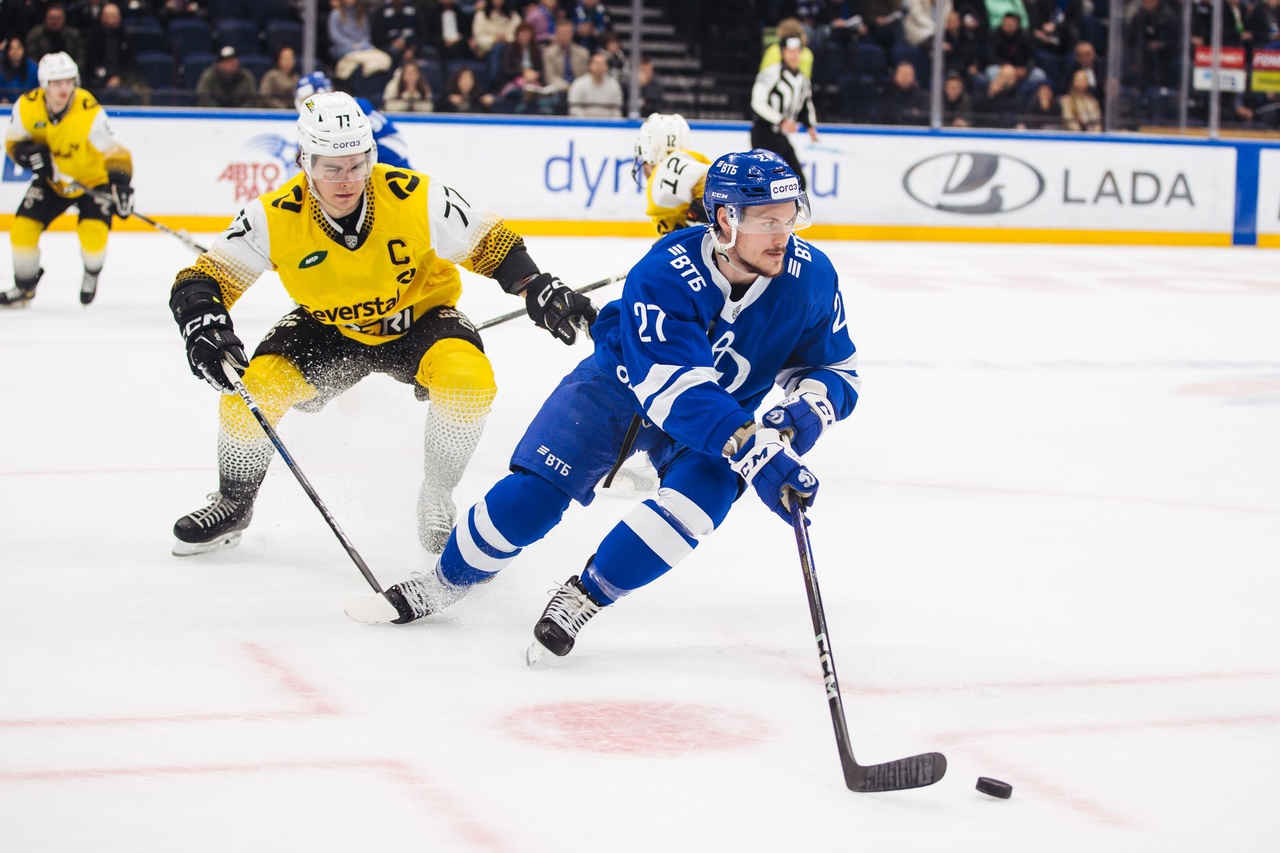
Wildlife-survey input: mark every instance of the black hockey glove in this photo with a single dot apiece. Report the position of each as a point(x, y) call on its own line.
point(207, 331)
point(35, 156)
point(121, 195)
point(697, 213)
point(555, 307)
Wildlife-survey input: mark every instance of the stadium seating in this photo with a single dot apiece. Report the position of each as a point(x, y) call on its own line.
point(188, 36)
point(239, 33)
point(280, 33)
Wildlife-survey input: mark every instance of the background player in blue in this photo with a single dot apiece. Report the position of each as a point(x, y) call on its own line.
point(392, 149)
point(709, 320)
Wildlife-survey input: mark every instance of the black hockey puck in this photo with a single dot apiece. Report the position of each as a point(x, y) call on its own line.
point(994, 787)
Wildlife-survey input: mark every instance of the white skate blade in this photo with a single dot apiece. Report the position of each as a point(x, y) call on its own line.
point(187, 549)
point(538, 656)
point(370, 609)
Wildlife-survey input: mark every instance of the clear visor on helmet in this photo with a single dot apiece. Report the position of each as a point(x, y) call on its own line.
point(342, 169)
point(778, 218)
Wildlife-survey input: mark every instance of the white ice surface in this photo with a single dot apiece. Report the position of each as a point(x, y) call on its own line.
point(1048, 539)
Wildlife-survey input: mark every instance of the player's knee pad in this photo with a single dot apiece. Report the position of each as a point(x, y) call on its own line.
point(25, 233)
point(518, 511)
point(459, 379)
point(692, 519)
point(705, 481)
point(93, 240)
point(24, 238)
point(525, 507)
point(276, 385)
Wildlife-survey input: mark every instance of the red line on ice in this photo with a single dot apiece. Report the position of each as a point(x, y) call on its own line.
point(294, 684)
point(439, 802)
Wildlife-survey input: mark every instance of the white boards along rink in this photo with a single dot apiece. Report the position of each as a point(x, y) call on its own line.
point(556, 176)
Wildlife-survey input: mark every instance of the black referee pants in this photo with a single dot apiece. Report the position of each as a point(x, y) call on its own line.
point(764, 136)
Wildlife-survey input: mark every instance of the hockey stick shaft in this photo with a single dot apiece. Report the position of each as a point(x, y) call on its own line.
point(586, 288)
point(239, 385)
point(914, 772)
point(819, 617)
point(159, 226)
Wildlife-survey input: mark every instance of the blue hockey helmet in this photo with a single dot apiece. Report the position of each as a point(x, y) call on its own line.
point(310, 84)
point(750, 178)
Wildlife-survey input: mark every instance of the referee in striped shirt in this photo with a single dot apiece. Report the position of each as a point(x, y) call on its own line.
point(782, 94)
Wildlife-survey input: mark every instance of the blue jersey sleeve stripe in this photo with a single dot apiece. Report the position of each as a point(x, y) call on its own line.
point(660, 408)
point(653, 382)
point(846, 370)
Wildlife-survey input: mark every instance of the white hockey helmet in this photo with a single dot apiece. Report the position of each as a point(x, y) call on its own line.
point(57, 66)
point(660, 134)
point(331, 124)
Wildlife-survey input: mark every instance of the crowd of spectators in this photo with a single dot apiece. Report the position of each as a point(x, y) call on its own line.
point(1037, 64)
point(551, 57)
point(1008, 63)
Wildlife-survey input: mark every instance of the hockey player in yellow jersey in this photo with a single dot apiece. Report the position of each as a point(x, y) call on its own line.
point(370, 254)
point(674, 174)
point(60, 132)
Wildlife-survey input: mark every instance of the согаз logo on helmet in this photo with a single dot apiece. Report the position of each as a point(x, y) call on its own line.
point(973, 183)
point(785, 189)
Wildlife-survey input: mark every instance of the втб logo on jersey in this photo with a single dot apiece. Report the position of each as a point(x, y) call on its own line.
point(555, 463)
point(970, 182)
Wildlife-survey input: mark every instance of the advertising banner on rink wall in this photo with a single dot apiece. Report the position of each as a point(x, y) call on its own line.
point(1268, 224)
point(195, 169)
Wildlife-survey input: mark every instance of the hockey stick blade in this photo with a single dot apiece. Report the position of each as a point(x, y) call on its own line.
point(914, 772)
point(370, 609)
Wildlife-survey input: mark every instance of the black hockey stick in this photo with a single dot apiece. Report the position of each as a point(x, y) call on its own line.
point(236, 381)
point(914, 772)
point(586, 288)
point(159, 226)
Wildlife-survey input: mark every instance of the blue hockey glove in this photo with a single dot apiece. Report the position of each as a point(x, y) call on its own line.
point(555, 307)
point(803, 417)
point(768, 464)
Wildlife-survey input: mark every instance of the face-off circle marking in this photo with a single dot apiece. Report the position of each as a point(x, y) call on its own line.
point(636, 727)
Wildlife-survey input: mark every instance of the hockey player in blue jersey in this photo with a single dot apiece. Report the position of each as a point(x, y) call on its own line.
point(709, 320)
point(391, 147)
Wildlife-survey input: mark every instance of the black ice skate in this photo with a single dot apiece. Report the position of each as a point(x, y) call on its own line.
point(88, 287)
point(21, 294)
point(16, 297)
point(570, 608)
point(407, 601)
point(215, 526)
